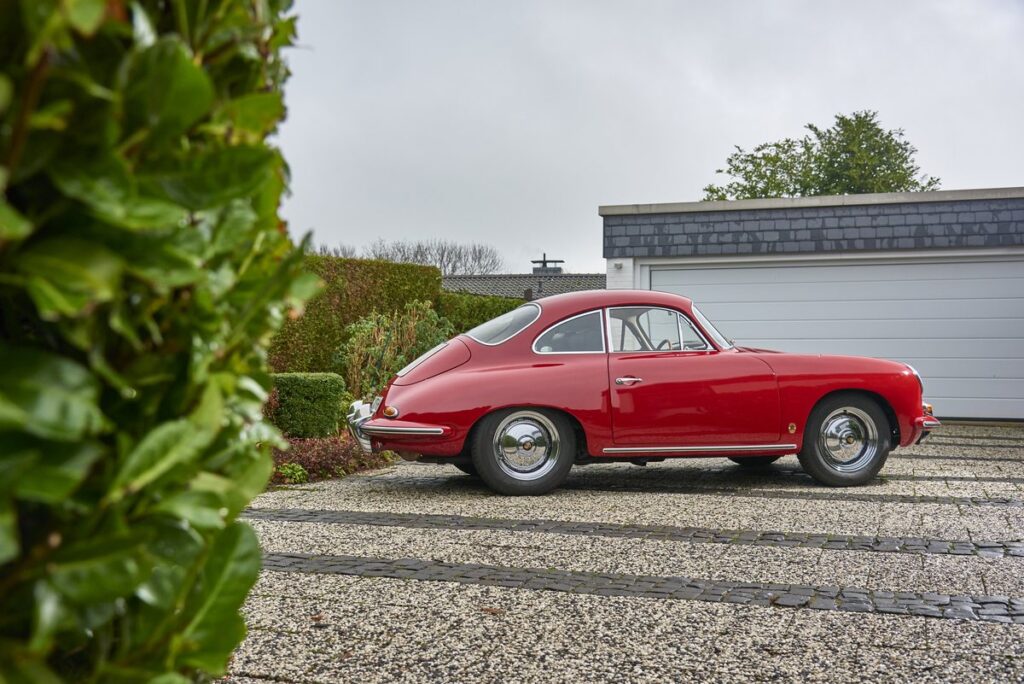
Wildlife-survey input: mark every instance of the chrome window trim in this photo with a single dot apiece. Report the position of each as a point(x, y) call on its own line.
point(604, 346)
point(679, 314)
point(495, 344)
point(685, 449)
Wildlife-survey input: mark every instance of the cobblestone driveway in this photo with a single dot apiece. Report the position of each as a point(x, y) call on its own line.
point(683, 570)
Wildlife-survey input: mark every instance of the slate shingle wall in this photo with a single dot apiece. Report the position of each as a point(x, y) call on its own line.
point(912, 225)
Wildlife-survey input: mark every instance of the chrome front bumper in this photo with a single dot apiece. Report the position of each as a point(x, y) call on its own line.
point(358, 413)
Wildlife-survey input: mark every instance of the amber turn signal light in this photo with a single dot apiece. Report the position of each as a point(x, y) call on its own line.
point(390, 412)
point(928, 410)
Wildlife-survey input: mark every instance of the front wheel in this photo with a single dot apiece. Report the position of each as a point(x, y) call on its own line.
point(847, 441)
point(524, 451)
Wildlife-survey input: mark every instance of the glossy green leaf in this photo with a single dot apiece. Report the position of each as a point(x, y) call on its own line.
point(47, 615)
point(9, 544)
point(58, 471)
point(166, 91)
point(85, 15)
point(202, 510)
point(104, 183)
point(47, 395)
point(256, 114)
point(167, 446)
point(81, 273)
point(97, 570)
point(213, 178)
point(13, 226)
point(216, 624)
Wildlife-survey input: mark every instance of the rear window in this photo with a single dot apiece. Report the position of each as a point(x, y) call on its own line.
point(505, 326)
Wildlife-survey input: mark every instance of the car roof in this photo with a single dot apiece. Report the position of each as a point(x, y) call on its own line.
point(572, 302)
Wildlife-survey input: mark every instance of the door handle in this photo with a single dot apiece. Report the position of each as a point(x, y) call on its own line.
point(628, 380)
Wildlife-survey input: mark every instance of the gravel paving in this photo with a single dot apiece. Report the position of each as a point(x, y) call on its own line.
point(309, 625)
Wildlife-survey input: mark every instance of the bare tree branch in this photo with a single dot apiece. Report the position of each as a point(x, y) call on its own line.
point(452, 258)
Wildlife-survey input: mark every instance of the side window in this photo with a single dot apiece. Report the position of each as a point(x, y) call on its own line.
point(641, 328)
point(692, 341)
point(579, 334)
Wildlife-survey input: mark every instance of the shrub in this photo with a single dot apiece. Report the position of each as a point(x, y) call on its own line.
point(325, 458)
point(354, 288)
point(307, 404)
point(380, 345)
point(292, 473)
point(466, 311)
point(143, 269)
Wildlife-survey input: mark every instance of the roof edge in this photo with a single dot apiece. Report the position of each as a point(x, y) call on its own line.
point(821, 201)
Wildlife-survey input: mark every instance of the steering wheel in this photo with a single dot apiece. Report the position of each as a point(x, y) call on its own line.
point(664, 344)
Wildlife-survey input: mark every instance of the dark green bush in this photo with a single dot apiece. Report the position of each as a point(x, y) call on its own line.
point(466, 311)
point(379, 345)
point(143, 269)
point(308, 404)
point(354, 288)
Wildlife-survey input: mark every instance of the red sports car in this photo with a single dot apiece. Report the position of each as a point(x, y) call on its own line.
point(640, 376)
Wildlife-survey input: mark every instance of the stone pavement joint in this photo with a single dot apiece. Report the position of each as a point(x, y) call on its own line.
point(981, 608)
point(697, 535)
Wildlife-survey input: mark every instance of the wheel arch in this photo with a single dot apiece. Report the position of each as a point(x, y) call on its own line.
point(881, 401)
point(577, 426)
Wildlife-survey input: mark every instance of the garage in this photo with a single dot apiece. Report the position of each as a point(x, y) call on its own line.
point(945, 293)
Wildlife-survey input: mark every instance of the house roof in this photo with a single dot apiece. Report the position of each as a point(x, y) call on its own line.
point(515, 284)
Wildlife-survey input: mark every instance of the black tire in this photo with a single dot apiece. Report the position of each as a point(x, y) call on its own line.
point(754, 461)
point(847, 441)
point(540, 450)
point(468, 468)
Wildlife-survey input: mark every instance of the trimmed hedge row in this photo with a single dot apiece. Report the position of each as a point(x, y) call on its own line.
point(466, 311)
point(354, 289)
point(308, 404)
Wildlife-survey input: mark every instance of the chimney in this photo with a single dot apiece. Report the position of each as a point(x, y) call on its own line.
point(545, 266)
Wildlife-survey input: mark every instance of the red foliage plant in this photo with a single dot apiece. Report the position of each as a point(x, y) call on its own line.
point(327, 457)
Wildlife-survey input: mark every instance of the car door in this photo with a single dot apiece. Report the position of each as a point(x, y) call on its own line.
point(671, 387)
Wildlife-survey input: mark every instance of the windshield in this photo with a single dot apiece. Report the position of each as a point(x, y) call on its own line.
point(497, 330)
point(710, 329)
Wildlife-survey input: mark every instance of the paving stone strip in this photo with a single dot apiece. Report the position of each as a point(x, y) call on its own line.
point(696, 535)
point(960, 607)
point(685, 488)
point(946, 457)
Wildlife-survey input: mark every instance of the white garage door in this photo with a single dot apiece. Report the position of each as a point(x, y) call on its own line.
point(961, 324)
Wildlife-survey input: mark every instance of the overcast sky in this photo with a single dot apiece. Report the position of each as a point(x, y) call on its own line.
point(510, 122)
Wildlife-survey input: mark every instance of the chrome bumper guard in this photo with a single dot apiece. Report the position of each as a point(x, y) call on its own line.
point(358, 413)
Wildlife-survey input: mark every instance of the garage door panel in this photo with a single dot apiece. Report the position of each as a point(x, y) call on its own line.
point(896, 349)
point(932, 368)
point(874, 329)
point(854, 291)
point(955, 407)
point(754, 309)
point(959, 322)
point(817, 273)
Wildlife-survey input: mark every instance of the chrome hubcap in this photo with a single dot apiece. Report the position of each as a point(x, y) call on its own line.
point(526, 445)
point(848, 440)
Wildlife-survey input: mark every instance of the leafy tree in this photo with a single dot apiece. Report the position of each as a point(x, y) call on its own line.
point(143, 269)
point(854, 156)
point(452, 258)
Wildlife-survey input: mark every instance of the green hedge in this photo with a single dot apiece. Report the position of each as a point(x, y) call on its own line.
point(466, 311)
point(308, 404)
point(143, 269)
point(354, 289)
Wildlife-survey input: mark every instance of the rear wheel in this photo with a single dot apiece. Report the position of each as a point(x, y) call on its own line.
point(524, 451)
point(847, 441)
point(754, 461)
point(467, 468)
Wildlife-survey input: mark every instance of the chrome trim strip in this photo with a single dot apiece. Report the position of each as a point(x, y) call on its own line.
point(931, 424)
point(398, 430)
point(600, 315)
point(659, 449)
point(495, 344)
